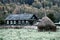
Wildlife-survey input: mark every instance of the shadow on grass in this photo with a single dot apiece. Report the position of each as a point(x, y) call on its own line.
point(1, 38)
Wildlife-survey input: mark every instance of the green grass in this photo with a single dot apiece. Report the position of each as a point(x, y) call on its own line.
point(27, 34)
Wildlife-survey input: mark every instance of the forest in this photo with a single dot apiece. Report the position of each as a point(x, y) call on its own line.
point(38, 7)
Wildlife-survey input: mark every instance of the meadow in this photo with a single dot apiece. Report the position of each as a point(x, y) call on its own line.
point(28, 34)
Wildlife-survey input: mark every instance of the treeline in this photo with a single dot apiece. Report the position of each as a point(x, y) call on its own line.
point(30, 1)
point(38, 7)
point(18, 1)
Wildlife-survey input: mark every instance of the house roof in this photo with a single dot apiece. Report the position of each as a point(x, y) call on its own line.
point(19, 17)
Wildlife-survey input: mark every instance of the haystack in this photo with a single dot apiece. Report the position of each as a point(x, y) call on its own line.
point(46, 25)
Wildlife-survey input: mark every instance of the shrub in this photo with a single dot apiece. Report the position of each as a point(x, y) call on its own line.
point(51, 16)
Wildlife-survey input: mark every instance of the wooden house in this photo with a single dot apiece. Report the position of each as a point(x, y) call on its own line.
point(21, 19)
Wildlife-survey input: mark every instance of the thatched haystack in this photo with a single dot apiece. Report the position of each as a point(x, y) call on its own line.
point(46, 25)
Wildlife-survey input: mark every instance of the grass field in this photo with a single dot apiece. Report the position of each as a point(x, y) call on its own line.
point(27, 34)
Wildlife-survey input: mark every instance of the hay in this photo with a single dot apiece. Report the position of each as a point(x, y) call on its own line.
point(46, 24)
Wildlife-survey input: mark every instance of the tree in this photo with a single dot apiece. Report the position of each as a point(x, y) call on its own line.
point(37, 4)
point(52, 17)
point(1, 21)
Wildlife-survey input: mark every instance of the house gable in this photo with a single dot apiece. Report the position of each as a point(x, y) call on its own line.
point(34, 17)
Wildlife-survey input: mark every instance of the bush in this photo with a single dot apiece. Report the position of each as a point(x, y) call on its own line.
point(2, 22)
point(51, 16)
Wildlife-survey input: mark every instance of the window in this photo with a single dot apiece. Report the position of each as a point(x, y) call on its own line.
point(19, 22)
point(22, 22)
point(11, 22)
point(7, 22)
point(27, 23)
point(33, 17)
point(14, 22)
